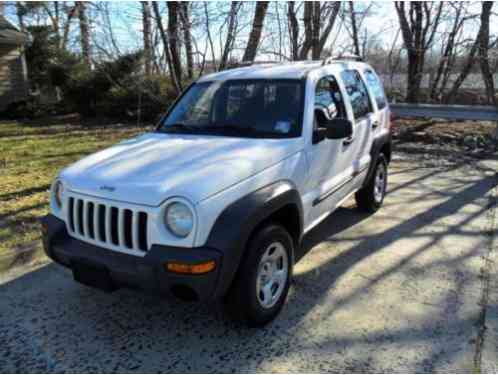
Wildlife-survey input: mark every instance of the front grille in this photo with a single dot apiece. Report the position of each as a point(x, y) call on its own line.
point(107, 225)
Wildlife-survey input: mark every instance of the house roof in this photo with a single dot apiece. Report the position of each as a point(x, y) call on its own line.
point(9, 33)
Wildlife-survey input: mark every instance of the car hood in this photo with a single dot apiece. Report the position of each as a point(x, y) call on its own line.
point(154, 166)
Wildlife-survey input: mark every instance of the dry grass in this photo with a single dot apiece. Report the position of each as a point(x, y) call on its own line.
point(30, 158)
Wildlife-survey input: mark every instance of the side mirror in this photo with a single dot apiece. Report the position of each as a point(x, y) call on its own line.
point(339, 128)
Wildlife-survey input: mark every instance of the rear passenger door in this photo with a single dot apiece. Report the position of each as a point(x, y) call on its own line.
point(365, 121)
point(379, 100)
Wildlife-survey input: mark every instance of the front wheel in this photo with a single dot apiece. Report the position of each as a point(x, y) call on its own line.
point(370, 197)
point(262, 283)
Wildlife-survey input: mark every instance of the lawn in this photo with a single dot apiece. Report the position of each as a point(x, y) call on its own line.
point(30, 157)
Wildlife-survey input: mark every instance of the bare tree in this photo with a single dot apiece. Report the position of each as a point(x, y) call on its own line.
point(480, 47)
point(20, 12)
point(257, 27)
point(356, 42)
point(293, 30)
point(231, 28)
point(315, 16)
point(487, 76)
point(315, 32)
point(147, 37)
point(208, 34)
point(185, 16)
point(167, 52)
point(173, 10)
point(70, 12)
point(418, 24)
point(84, 33)
point(448, 55)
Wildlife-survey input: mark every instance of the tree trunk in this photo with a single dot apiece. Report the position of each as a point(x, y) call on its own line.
point(147, 36)
point(446, 62)
point(476, 48)
point(356, 42)
point(418, 34)
point(487, 76)
point(173, 7)
point(234, 8)
point(167, 51)
point(20, 15)
point(84, 33)
point(315, 33)
point(330, 25)
point(185, 15)
point(257, 27)
point(293, 30)
point(308, 30)
point(65, 33)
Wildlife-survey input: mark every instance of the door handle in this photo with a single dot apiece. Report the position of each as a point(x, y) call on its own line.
point(348, 141)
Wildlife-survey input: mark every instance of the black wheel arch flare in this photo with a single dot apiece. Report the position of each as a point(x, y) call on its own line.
point(233, 228)
point(380, 145)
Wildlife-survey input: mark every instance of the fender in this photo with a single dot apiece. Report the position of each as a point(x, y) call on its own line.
point(378, 144)
point(233, 228)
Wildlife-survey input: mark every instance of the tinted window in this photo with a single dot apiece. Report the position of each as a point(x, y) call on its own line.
point(328, 100)
point(358, 94)
point(375, 85)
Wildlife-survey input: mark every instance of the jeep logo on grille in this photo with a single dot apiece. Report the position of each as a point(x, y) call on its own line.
point(108, 188)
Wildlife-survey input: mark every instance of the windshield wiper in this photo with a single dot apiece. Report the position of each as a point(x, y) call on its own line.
point(242, 130)
point(178, 126)
point(232, 128)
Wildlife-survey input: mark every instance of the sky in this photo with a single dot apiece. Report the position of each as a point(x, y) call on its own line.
point(381, 26)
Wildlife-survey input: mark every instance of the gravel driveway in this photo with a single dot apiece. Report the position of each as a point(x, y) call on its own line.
point(412, 288)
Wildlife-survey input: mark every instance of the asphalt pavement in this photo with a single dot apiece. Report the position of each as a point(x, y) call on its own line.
point(413, 288)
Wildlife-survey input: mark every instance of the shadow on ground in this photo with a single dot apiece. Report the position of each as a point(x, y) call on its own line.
point(397, 291)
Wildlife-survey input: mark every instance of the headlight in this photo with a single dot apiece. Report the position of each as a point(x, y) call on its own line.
point(179, 219)
point(58, 192)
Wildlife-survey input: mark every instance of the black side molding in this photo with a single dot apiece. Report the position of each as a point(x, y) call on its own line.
point(338, 187)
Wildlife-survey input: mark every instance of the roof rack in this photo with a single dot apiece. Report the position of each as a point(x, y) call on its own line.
point(259, 62)
point(350, 57)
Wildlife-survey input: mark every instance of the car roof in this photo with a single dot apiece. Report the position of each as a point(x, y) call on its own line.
point(288, 70)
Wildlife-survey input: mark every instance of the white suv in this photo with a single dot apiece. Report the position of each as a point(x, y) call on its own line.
point(215, 202)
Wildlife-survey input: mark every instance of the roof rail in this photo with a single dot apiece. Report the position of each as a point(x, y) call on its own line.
point(331, 59)
point(259, 62)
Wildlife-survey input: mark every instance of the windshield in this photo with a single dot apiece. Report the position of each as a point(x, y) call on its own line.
point(250, 108)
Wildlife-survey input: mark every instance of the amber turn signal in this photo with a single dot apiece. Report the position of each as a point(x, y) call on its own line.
point(193, 269)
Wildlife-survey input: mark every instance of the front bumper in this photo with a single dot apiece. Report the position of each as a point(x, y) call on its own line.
point(146, 273)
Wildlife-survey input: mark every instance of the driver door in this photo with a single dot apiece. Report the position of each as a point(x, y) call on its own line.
point(330, 159)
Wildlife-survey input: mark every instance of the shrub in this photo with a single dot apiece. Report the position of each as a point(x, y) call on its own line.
point(30, 109)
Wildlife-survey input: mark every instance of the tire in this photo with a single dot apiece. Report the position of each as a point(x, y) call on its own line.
point(260, 288)
point(370, 197)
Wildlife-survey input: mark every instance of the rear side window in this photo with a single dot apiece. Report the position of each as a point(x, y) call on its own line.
point(358, 94)
point(375, 85)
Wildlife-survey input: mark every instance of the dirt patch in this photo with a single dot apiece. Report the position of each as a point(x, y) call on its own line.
point(451, 140)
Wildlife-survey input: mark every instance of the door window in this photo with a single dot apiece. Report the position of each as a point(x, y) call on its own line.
point(357, 92)
point(375, 85)
point(328, 101)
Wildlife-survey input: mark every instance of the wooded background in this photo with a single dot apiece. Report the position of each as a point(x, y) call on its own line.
point(132, 58)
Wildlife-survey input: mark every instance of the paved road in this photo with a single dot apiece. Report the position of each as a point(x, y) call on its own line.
point(402, 290)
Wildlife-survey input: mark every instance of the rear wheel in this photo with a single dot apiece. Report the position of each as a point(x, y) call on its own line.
point(370, 197)
point(262, 283)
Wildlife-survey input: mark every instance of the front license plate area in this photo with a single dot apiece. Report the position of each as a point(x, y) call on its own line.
point(94, 276)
